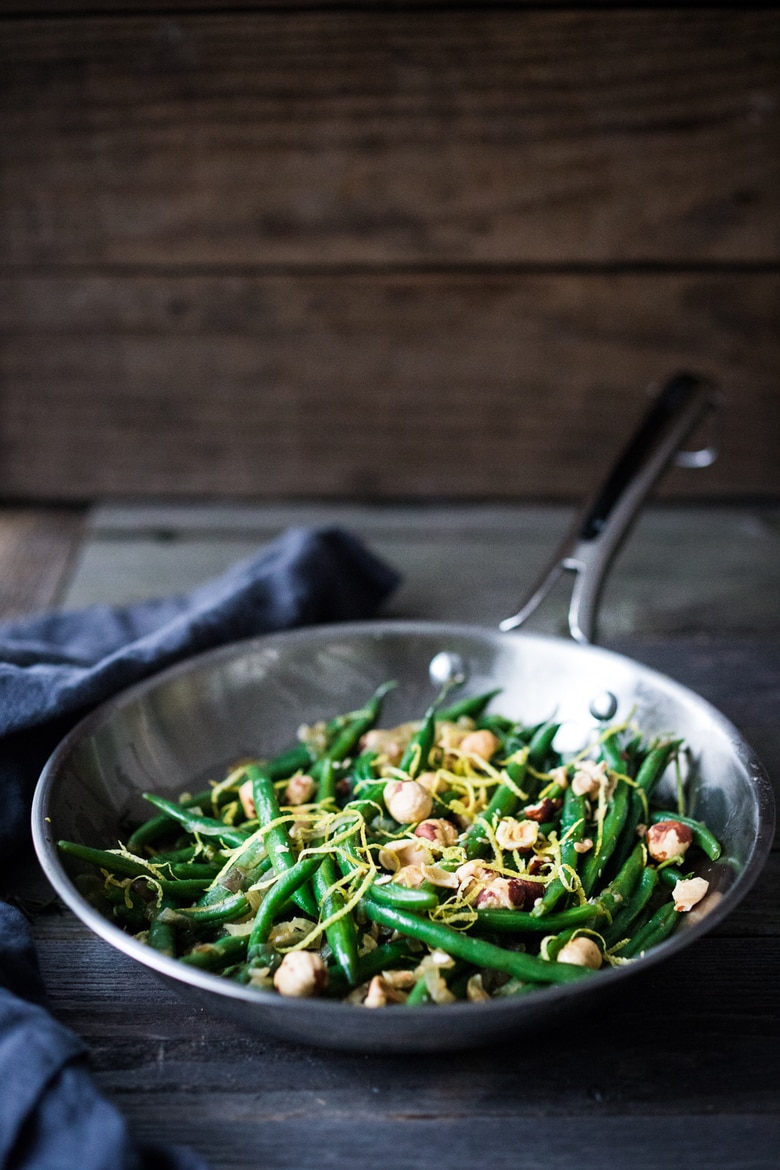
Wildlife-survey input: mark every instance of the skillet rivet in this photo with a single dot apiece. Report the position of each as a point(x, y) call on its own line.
point(447, 667)
point(604, 706)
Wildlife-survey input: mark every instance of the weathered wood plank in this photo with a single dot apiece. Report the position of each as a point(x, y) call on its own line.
point(673, 555)
point(37, 547)
point(371, 135)
point(291, 1142)
point(449, 385)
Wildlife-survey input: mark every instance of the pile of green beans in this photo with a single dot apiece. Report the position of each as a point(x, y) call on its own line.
point(518, 867)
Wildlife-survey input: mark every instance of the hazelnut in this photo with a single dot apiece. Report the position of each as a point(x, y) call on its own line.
point(410, 876)
point(519, 835)
point(543, 810)
point(439, 877)
point(507, 893)
point(475, 992)
point(667, 840)
point(688, 892)
point(381, 992)
point(407, 801)
point(301, 973)
point(299, 790)
point(440, 831)
point(581, 951)
point(589, 777)
point(247, 799)
point(389, 743)
point(407, 851)
point(474, 871)
point(482, 744)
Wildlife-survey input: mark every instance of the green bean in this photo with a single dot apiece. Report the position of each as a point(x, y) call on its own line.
point(324, 775)
point(118, 863)
point(625, 917)
point(648, 775)
point(419, 993)
point(595, 862)
point(382, 958)
point(108, 860)
point(227, 910)
point(181, 887)
point(161, 935)
point(277, 841)
point(415, 757)
point(360, 722)
point(472, 707)
point(341, 934)
point(286, 764)
point(417, 900)
point(702, 836)
point(619, 890)
point(572, 831)
point(193, 869)
point(670, 874)
point(211, 955)
point(473, 950)
point(522, 922)
point(196, 823)
point(277, 897)
point(659, 927)
point(540, 744)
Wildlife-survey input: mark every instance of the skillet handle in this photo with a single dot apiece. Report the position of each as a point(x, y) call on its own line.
point(590, 547)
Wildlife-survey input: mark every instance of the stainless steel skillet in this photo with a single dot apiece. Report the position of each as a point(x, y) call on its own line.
point(184, 726)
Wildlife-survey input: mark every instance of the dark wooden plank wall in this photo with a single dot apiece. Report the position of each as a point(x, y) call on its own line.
point(380, 251)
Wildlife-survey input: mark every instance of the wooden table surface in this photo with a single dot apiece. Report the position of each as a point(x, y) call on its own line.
point(682, 1071)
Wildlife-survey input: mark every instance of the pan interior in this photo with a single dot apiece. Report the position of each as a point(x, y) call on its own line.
point(185, 727)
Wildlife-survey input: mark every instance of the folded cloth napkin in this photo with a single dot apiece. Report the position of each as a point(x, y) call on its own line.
point(53, 669)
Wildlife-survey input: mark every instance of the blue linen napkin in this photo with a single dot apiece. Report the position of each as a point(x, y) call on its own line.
point(53, 669)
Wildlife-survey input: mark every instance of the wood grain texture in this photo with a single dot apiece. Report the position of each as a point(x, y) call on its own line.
point(36, 551)
point(689, 1053)
point(241, 1100)
point(372, 136)
point(371, 386)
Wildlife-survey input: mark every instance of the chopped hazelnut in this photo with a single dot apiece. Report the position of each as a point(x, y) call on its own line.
point(589, 777)
point(407, 851)
point(581, 951)
point(407, 801)
point(474, 871)
point(667, 840)
point(583, 846)
point(389, 743)
point(537, 865)
point(543, 810)
point(381, 992)
point(439, 877)
point(299, 789)
point(410, 876)
point(688, 892)
point(514, 834)
point(507, 893)
point(301, 973)
point(247, 799)
point(438, 830)
point(475, 992)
